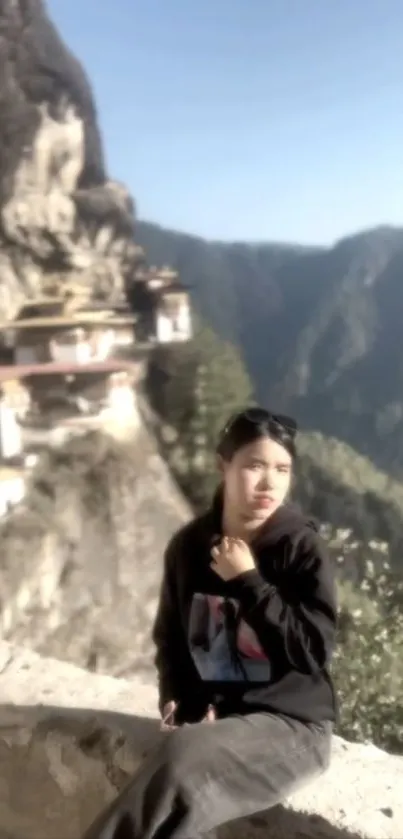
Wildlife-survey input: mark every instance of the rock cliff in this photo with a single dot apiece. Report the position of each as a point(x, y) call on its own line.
point(70, 740)
point(62, 221)
point(80, 562)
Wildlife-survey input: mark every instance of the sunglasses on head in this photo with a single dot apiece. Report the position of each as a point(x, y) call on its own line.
point(257, 416)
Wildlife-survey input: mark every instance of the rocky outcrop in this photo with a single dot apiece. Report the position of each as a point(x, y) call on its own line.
point(80, 562)
point(62, 222)
point(70, 740)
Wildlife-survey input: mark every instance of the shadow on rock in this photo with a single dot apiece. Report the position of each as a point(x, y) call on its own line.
point(65, 765)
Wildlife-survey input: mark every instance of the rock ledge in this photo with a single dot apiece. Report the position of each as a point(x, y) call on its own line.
point(69, 740)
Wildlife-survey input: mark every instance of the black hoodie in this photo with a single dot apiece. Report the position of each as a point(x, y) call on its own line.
point(261, 642)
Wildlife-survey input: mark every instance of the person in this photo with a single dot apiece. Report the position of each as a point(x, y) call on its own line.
point(244, 635)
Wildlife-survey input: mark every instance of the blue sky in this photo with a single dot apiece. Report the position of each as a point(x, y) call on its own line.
point(275, 120)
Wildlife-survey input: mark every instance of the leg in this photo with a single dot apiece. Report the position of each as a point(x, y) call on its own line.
point(204, 775)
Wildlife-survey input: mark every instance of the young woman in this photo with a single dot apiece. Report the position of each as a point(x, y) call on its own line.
point(244, 635)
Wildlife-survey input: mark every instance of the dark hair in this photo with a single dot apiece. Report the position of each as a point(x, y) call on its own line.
point(252, 424)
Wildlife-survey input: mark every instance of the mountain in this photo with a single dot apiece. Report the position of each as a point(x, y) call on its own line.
point(319, 328)
point(80, 558)
point(63, 222)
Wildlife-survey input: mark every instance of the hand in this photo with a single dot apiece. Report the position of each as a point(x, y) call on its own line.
point(168, 716)
point(210, 715)
point(232, 558)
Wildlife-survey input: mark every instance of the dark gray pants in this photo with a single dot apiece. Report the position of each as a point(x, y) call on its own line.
point(201, 776)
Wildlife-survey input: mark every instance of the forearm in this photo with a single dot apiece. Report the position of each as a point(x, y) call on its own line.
point(169, 686)
point(305, 631)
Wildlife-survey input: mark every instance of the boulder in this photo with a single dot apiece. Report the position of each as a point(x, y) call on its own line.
point(70, 740)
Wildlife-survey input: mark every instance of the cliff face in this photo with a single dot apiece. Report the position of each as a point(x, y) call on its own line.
point(61, 219)
point(81, 561)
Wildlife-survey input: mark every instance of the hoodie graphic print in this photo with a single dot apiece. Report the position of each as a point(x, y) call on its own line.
point(224, 647)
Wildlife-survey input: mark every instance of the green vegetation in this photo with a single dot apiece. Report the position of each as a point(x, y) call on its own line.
point(195, 387)
point(345, 489)
point(368, 664)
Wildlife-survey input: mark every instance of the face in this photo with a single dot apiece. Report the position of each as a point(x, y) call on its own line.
point(256, 481)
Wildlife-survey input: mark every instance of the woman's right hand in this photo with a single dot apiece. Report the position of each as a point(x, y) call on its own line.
point(168, 716)
point(210, 715)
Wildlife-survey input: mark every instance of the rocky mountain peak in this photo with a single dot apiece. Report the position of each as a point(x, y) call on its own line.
point(62, 221)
